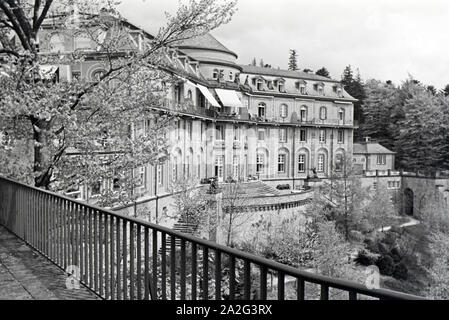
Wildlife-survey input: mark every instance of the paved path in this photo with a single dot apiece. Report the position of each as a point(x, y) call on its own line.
point(26, 275)
point(412, 222)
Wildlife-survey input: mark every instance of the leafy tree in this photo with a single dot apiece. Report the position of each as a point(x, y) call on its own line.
point(234, 200)
point(345, 196)
point(293, 60)
point(323, 72)
point(57, 117)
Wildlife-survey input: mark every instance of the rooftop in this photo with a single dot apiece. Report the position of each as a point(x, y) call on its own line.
point(284, 73)
point(371, 148)
point(207, 41)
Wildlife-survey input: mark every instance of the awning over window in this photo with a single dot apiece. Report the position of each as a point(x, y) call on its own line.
point(47, 71)
point(208, 96)
point(229, 98)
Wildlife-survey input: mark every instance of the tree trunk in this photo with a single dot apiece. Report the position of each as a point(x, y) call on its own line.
point(42, 162)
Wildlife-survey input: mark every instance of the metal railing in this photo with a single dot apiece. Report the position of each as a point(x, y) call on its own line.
point(120, 257)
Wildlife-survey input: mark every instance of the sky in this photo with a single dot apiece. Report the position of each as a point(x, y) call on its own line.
point(384, 39)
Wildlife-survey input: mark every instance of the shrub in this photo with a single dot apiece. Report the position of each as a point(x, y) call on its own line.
point(366, 258)
point(400, 272)
point(283, 187)
point(386, 265)
point(396, 255)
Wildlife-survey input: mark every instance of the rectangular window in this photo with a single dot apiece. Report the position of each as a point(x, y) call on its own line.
point(284, 111)
point(382, 159)
point(322, 136)
point(141, 177)
point(283, 135)
point(236, 167)
point(190, 129)
point(160, 175)
point(95, 189)
point(260, 163)
point(219, 166)
point(281, 163)
point(303, 115)
point(321, 159)
point(219, 132)
point(341, 136)
point(302, 163)
point(303, 135)
point(236, 133)
point(261, 135)
point(302, 89)
point(338, 162)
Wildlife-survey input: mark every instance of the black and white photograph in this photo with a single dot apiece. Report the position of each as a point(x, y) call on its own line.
point(240, 151)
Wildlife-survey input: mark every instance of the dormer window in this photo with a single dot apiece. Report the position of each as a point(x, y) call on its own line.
point(270, 85)
point(319, 87)
point(301, 87)
point(231, 76)
point(281, 86)
point(338, 90)
point(215, 74)
point(259, 85)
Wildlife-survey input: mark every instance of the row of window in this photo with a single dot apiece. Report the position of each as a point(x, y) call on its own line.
point(303, 116)
point(261, 135)
point(220, 74)
point(301, 86)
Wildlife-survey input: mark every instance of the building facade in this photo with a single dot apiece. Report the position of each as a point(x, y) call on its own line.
point(372, 156)
point(233, 121)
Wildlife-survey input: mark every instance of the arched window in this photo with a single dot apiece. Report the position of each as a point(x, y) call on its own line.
point(284, 111)
point(261, 110)
point(97, 74)
point(82, 41)
point(56, 41)
point(189, 94)
point(231, 75)
point(215, 74)
point(323, 113)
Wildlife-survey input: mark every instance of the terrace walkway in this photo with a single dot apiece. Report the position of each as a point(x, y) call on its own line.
point(27, 275)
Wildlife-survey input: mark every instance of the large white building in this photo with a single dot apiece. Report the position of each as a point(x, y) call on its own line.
point(234, 121)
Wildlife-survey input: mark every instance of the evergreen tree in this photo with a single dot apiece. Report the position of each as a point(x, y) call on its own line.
point(377, 112)
point(354, 86)
point(254, 63)
point(417, 130)
point(293, 60)
point(323, 72)
point(261, 63)
point(446, 90)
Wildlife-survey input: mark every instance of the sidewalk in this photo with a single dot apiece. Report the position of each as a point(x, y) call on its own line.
point(26, 275)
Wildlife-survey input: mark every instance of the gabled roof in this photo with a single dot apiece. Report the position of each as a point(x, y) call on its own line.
point(371, 148)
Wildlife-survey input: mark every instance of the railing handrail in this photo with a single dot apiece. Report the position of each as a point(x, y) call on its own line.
point(272, 265)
